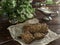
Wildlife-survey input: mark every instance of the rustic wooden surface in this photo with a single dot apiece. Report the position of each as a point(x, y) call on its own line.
point(54, 25)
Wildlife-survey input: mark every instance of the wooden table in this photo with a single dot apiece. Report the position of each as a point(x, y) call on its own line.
point(54, 25)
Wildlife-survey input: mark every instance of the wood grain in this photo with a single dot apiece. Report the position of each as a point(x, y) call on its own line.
point(54, 25)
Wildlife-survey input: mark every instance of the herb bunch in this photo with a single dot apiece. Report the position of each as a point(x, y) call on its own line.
point(20, 10)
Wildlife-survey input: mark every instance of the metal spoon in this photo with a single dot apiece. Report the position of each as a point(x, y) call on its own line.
point(47, 19)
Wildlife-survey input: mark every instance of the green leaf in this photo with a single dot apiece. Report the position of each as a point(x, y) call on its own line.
point(49, 2)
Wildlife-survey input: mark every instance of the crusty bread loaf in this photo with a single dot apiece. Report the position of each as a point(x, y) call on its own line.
point(42, 28)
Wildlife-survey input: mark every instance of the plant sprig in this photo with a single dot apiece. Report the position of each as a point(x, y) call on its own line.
point(18, 9)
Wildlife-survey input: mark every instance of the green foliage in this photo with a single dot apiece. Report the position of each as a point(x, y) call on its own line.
point(49, 2)
point(17, 9)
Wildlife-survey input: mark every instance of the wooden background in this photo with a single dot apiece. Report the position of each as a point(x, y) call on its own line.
point(54, 25)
